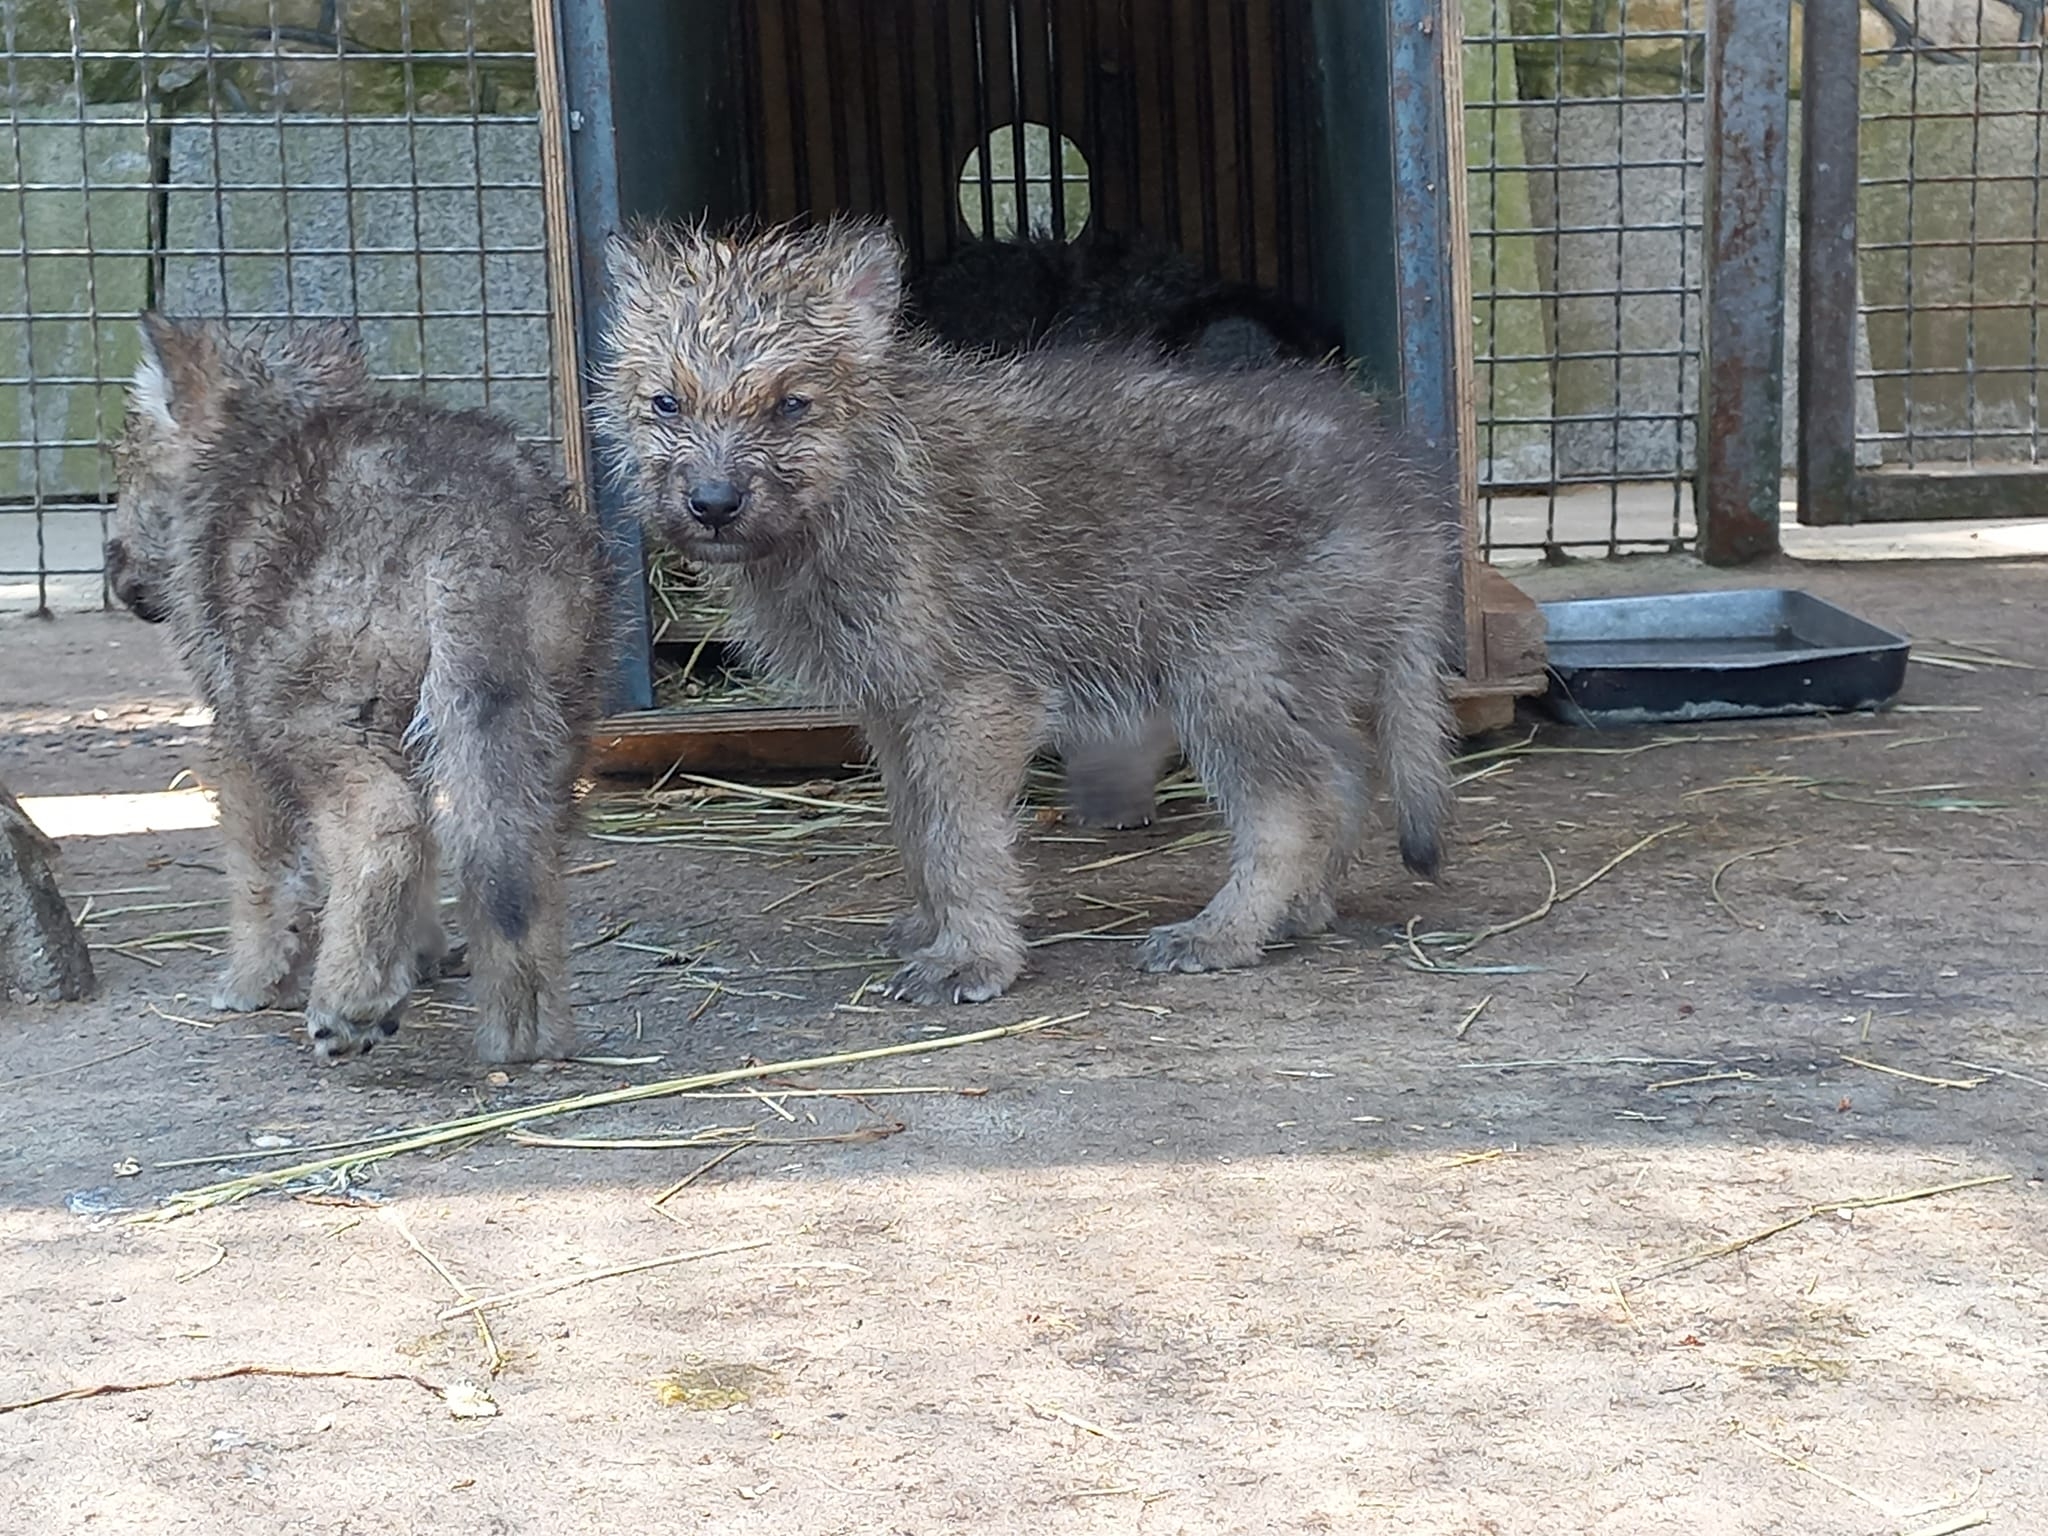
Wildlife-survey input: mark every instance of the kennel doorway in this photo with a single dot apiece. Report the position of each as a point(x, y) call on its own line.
point(1309, 147)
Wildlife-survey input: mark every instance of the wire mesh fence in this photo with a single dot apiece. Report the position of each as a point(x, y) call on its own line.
point(1954, 96)
point(252, 159)
point(1585, 143)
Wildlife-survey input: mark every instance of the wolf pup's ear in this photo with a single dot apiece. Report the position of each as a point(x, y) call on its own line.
point(179, 377)
point(624, 267)
point(867, 275)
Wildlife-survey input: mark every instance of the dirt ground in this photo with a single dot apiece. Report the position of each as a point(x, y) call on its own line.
point(1334, 1245)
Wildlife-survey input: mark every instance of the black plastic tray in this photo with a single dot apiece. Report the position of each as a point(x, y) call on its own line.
point(1715, 655)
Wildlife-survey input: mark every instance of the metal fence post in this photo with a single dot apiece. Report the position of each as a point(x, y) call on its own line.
point(1749, 48)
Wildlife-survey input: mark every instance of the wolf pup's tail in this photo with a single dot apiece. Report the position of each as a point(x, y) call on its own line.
point(495, 750)
point(1411, 718)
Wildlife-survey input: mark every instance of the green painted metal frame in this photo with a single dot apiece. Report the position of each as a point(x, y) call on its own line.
point(653, 122)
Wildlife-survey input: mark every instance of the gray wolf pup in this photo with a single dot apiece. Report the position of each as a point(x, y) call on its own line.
point(977, 554)
point(1011, 294)
point(396, 613)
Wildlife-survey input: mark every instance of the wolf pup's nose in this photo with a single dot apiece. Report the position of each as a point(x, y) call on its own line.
point(716, 503)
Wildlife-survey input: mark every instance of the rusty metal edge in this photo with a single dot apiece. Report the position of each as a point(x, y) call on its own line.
point(1830, 118)
point(1740, 455)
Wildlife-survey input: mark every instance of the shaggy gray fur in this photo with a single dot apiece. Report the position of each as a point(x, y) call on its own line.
point(397, 614)
point(976, 554)
point(1010, 295)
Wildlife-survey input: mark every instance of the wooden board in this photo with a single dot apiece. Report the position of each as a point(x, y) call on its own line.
point(725, 741)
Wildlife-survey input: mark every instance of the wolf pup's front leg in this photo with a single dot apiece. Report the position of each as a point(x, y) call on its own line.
point(952, 799)
point(270, 911)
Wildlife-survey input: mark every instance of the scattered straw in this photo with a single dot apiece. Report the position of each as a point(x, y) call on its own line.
point(1714, 885)
point(585, 1277)
point(1891, 1511)
point(660, 1201)
point(2018, 1077)
point(1461, 944)
point(494, 1357)
point(1049, 1411)
point(210, 1261)
point(1964, 1522)
point(469, 1128)
point(228, 1373)
point(1736, 1076)
point(1177, 845)
point(80, 1066)
point(177, 1018)
point(1915, 1077)
point(1826, 1208)
point(1466, 1022)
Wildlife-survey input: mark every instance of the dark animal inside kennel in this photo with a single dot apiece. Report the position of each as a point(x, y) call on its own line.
point(1298, 159)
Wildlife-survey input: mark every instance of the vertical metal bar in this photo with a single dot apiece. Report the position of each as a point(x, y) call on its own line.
point(1241, 98)
point(2034, 267)
point(1829, 114)
point(28, 306)
point(91, 247)
point(1618, 405)
point(1971, 414)
point(1688, 91)
point(473, 80)
point(1206, 152)
point(412, 159)
point(1285, 158)
point(949, 139)
point(747, 62)
point(1741, 431)
point(799, 125)
point(865, 43)
point(984, 149)
point(904, 41)
point(1909, 417)
point(588, 75)
point(1556, 289)
point(1056, 166)
point(835, 105)
point(1169, 132)
point(1020, 148)
point(1127, 116)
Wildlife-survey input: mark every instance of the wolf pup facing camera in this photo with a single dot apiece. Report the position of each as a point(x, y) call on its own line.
point(395, 611)
point(976, 554)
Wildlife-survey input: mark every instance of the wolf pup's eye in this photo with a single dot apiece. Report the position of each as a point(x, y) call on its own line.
point(665, 405)
point(790, 407)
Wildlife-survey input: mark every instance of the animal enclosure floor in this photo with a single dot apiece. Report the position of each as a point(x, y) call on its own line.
point(1577, 1232)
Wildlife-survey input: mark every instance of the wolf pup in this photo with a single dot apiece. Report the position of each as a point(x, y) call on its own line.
point(1011, 294)
point(975, 554)
point(395, 611)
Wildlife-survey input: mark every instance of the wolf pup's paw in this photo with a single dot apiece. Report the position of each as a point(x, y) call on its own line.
point(942, 976)
point(1191, 947)
point(336, 1038)
point(909, 932)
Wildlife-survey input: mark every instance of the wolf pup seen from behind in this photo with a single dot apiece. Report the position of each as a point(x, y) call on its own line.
point(396, 613)
point(978, 554)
